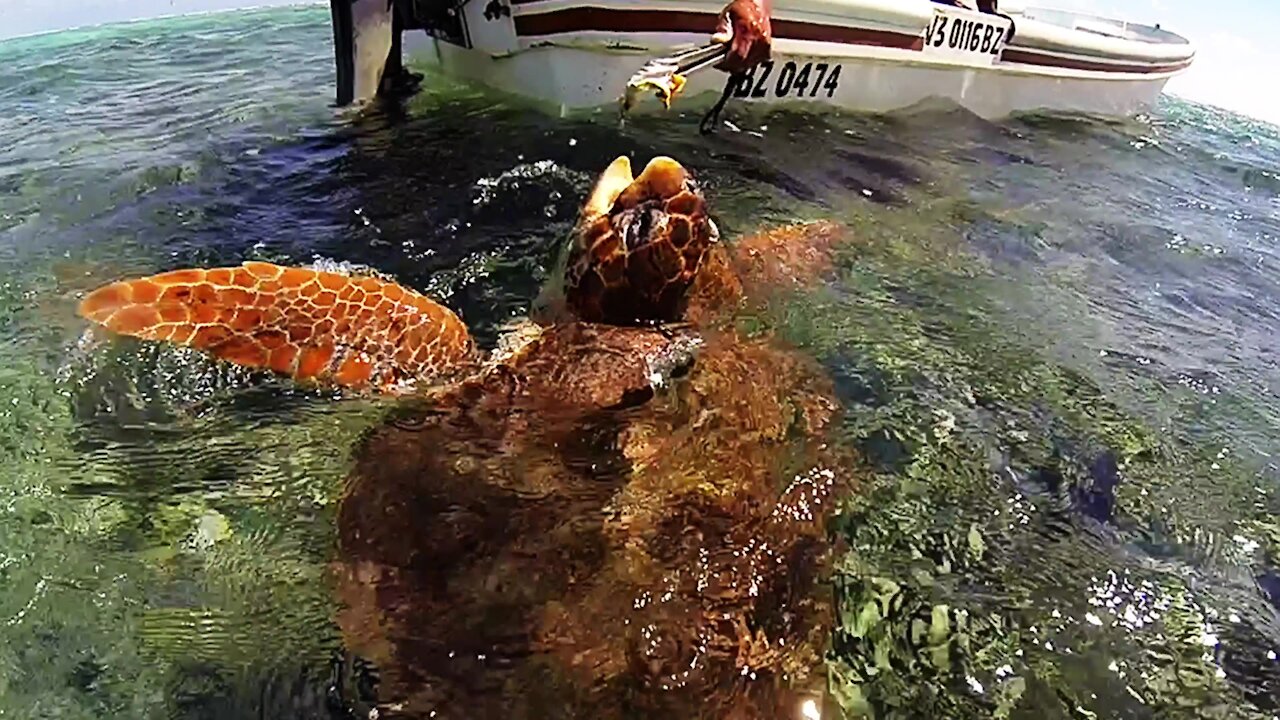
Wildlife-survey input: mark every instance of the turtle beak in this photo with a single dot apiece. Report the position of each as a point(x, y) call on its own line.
point(616, 178)
point(662, 178)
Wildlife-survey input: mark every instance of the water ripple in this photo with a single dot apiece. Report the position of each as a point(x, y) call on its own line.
point(1053, 337)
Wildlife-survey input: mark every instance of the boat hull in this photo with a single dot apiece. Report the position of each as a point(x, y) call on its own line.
point(569, 80)
point(873, 56)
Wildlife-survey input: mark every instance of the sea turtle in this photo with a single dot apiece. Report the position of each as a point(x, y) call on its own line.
point(620, 511)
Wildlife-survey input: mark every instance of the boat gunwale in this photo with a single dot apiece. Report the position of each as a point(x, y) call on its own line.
point(1066, 68)
point(1029, 47)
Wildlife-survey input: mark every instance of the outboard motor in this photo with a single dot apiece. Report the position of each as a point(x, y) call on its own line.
point(440, 18)
point(366, 42)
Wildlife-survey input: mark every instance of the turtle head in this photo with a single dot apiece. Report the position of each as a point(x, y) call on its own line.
point(639, 245)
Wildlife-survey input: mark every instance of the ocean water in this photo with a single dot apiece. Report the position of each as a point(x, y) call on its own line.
point(1054, 341)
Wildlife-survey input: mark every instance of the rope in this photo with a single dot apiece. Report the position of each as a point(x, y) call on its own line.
point(712, 118)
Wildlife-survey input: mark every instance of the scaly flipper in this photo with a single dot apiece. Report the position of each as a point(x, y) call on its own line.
point(328, 327)
point(758, 266)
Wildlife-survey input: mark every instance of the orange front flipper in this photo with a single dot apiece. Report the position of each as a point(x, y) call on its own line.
point(351, 331)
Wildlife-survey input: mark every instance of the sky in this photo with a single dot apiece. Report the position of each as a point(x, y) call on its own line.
point(25, 17)
point(1234, 38)
point(1236, 55)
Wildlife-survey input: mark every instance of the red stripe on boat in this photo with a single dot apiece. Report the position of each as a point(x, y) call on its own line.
point(1030, 57)
point(589, 19)
point(596, 19)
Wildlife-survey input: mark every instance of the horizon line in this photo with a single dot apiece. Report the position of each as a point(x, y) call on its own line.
point(163, 16)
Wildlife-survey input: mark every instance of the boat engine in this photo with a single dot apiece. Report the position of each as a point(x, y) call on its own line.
point(366, 40)
point(439, 18)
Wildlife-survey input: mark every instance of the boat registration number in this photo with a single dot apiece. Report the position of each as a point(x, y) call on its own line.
point(789, 80)
point(965, 34)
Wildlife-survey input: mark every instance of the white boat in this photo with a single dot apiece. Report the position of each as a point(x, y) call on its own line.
point(860, 55)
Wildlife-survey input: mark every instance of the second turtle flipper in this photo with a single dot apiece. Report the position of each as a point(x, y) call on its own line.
point(336, 329)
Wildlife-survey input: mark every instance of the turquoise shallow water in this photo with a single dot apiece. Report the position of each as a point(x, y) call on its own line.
point(1054, 339)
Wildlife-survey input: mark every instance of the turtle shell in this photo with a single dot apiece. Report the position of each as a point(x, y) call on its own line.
point(639, 246)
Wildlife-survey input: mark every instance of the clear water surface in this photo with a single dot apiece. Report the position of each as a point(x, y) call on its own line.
point(1054, 341)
